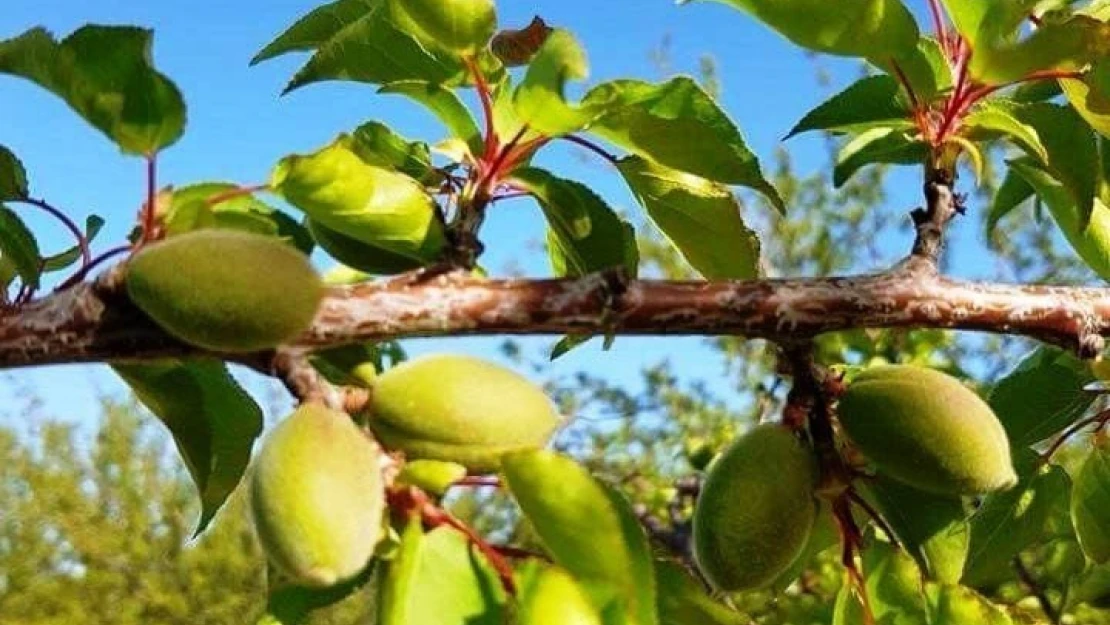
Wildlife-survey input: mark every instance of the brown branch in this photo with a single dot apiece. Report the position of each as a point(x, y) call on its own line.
point(96, 323)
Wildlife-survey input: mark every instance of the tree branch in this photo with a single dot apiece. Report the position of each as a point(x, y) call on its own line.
point(96, 322)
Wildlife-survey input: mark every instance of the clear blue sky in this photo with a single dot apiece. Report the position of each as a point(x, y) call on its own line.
point(238, 126)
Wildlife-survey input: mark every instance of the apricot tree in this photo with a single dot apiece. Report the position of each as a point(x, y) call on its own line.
point(930, 490)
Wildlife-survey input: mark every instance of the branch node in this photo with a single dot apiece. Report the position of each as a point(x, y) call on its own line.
point(942, 205)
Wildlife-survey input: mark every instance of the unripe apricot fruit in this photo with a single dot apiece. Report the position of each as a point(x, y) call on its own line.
point(756, 509)
point(459, 409)
point(317, 497)
point(225, 290)
point(926, 429)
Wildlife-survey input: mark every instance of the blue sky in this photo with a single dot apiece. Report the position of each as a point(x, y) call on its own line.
point(239, 127)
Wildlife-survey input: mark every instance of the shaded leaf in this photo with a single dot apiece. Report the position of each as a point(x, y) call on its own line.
point(1013, 191)
point(678, 125)
point(893, 588)
point(588, 528)
point(19, 247)
point(214, 422)
point(292, 605)
point(316, 28)
point(1091, 96)
point(878, 145)
point(846, 27)
point(516, 47)
point(957, 605)
point(925, 68)
point(701, 218)
point(1009, 521)
point(1067, 45)
point(585, 234)
point(869, 101)
point(682, 600)
point(103, 73)
point(1041, 396)
point(931, 527)
point(13, 178)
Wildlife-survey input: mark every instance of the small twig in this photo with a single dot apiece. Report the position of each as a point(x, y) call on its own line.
point(478, 481)
point(875, 516)
point(593, 147)
point(82, 241)
point(1101, 419)
point(1037, 590)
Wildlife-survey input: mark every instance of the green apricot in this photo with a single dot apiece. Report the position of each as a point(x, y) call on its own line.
point(432, 476)
point(225, 290)
point(317, 497)
point(926, 429)
point(554, 598)
point(460, 409)
point(461, 26)
point(756, 509)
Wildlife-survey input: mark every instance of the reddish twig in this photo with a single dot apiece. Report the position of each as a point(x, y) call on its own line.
point(149, 225)
point(82, 241)
point(231, 194)
point(483, 89)
point(593, 147)
point(82, 273)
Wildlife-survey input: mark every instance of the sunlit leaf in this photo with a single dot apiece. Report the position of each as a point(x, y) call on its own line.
point(1090, 503)
point(701, 218)
point(319, 26)
point(377, 144)
point(996, 118)
point(678, 125)
point(539, 100)
point(445, 105)
point(958, 605)
point(846, 27)
point(588, 528)
point(104, 73)
point(214, 422)
point(1091, 96)
point(64, 260)
point(893, 588)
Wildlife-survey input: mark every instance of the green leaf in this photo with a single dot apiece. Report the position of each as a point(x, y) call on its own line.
point(678, 125)
point(1092, 242)
point(957, 605)
point(872, 100)
point(445, 105)
point(846, 27)
point(461, 27)
point(682, 600)
point(1068, 45)
point(379, 207)
point(438, 578)
point(1013, 191)
point(585, 234)
point(701, 218)
point(893, 588)
point(292, 605)
point(1042, 396)
point(997, 118)
point(924, 68)
point(550, 596)
point(19, 246)
point(104, 74)
point(1090, 503)
point(214, 422)
point(932, 528)
point(1036, 91)
point(878, 145)
point(1009, 521)
point(588, 528)
point(318, 27)
point(377, 144)
point(539, 100)
point(13, 178)
point(362, 256)
point(1091, 96)
point(194, 208)
point(373, 50)
point(64, 260)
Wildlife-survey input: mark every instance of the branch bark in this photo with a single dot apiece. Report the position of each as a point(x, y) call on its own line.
point(96, 322)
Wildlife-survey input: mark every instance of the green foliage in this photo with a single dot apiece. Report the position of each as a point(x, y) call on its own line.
point(1090, 504)
point(212, 419)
